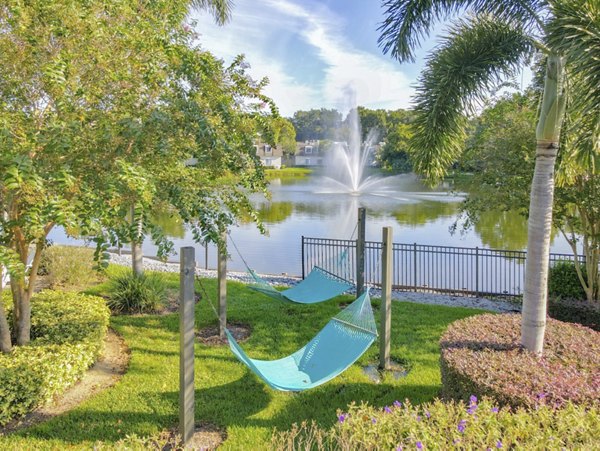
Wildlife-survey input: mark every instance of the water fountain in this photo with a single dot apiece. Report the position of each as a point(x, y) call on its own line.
point(347, 161)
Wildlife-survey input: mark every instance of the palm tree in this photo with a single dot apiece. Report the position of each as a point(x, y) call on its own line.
point(477, 54)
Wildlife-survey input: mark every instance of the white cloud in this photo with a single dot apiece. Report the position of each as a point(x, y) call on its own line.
point(256, 31)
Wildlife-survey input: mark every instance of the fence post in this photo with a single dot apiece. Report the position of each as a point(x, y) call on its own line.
point(360, 252)
point(386, 299)
point(415, 266)
point(302, 257)
point(222, 286)
point(186, 343)
point(476, 271)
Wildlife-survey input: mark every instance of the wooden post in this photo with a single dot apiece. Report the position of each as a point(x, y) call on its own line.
point(386, 299)
point(186, 344)
point(222, 286)
point(360, 252)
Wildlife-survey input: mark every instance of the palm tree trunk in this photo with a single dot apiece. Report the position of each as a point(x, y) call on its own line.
point(535, 295)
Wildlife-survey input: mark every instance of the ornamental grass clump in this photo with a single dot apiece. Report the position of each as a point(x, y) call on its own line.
point(449, 425)
point(68, 331)
point(133, 293)
point(482, 355)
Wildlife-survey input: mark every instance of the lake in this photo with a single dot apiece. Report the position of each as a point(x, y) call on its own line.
point(306, 206)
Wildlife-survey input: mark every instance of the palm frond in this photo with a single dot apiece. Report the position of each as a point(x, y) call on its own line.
point(407, 22)
point(220, 9)
point(471, 61)
point(574, 32)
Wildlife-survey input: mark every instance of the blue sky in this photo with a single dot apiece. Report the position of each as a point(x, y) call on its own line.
point(315, 52)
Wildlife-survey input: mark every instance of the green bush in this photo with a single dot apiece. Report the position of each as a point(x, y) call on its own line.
point(131, 293)
point(563, 282)
point(581, 312)
point(68, 331)
point(66, 266)
point(440, 426)
point(482, 355)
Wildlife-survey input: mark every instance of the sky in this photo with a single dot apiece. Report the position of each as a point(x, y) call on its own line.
point(316, 53)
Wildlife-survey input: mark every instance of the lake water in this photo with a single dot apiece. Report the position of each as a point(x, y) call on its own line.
point(304, 206)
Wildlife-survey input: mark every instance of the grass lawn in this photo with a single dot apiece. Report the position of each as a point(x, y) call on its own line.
point(228, 395)
point(287, 172)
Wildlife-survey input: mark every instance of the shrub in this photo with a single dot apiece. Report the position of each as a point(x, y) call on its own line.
point(68, 331)
point(482, 355)
point(563, 282)
point(131, 293)
point(581, 312)
point(68, 266)
point(439, 425)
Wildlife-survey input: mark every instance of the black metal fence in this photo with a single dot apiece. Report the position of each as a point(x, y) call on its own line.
point(470, 271)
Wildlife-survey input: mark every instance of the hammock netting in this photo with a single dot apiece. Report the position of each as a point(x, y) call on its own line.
point(320, 285)
point(337, 346)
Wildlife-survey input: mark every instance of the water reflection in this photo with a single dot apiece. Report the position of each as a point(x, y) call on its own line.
point(297, 208)
point(424, 212)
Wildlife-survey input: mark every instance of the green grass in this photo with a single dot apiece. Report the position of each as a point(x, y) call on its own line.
point(288, 172)
point(145, 401)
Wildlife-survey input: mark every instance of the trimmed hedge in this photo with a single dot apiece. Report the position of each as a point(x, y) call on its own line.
point(482, 355)
point(67, 331)
point(440, 426)
point(563, 281)
point(580, 312)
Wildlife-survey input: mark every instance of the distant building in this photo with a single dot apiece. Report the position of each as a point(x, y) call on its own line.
point(270, 157)
point(308, 154)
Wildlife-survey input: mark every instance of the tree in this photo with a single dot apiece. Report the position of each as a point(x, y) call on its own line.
point(394, 153)
point(284, 135)
point(317, 124)
point(101, 104)
point(476, 55)
point(503, 147)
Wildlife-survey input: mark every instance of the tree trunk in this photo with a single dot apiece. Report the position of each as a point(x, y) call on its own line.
point(137, 257)
point(5, 341)
point(535, 294)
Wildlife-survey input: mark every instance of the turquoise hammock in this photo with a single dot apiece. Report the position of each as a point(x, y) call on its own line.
point(320, 285)
point(345, 338)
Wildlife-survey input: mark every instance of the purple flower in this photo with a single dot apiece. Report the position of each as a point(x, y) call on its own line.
point(373, 420)
point(473, 399)
point(419, 445)
point(455, 441)
point(342, 418)
point(397, 404)
point(495, 409)
point(541, 396)
point(471, 410)
point(461, 426)
point(387, 409)
point(418, 418)
point(399, 448)
point(499, 444)
point(428, 415)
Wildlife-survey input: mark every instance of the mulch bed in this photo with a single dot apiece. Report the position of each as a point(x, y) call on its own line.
point(210, 335)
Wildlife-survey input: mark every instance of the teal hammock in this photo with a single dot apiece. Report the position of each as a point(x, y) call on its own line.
point(336, 347)
point(320, 285)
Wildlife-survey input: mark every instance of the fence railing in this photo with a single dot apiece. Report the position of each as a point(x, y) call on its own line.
point(470, 271)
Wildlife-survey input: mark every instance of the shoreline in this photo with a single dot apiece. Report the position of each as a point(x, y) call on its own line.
point(499, 306)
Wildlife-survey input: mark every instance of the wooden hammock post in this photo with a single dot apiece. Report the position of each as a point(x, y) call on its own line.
point(186, 343)
point(386, 299)
point(360, 252)
point(222, 287)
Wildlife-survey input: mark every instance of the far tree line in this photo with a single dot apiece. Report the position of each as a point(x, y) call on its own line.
point(391, 127)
